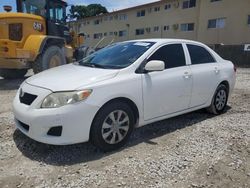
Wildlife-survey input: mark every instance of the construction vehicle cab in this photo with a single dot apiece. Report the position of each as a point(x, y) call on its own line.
point(35, 37)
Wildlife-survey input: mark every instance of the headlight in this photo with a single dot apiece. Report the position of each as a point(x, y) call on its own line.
point(59, 99)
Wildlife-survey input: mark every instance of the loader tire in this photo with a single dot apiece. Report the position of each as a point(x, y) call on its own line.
point(13, 73)
point(52, 56)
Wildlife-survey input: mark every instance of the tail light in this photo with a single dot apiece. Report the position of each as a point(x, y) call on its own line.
point(4, 49)
point(235, 68)
point(16, 31)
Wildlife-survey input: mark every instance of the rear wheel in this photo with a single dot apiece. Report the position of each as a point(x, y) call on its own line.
point(13, 73)
point(219, 101)
point(112, 126)
point(53, 56)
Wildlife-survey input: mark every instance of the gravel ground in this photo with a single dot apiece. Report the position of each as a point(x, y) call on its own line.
point(192, 150)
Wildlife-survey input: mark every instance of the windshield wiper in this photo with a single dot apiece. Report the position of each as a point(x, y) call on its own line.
point(93, 65)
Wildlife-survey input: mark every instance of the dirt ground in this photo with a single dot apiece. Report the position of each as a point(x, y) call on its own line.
point(192, 150)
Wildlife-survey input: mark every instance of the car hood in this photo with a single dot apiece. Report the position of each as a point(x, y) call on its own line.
point(70, 77)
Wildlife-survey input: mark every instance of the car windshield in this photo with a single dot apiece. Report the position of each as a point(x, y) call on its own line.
point(34, 7)
point(116, 56)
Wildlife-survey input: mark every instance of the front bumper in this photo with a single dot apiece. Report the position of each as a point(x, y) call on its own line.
point(75, 119)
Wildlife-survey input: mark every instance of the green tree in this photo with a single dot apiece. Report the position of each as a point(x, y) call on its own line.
point(82, 11)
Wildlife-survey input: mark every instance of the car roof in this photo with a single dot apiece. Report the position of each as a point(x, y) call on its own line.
point(167, 40)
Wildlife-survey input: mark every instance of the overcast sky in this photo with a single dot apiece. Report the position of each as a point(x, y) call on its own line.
point(109, 4)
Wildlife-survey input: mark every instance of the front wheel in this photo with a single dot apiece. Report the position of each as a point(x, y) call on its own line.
point(53, 56)
point(219, 101)
point(13, 73)
point(112, 126)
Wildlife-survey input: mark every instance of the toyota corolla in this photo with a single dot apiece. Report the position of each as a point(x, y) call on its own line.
point(103, 97)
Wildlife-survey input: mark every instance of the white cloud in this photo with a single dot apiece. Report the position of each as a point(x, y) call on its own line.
point(112, 4)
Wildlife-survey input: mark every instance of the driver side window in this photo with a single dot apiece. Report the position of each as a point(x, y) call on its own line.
point(59, 13)
point(172, 55)
point(56, 13)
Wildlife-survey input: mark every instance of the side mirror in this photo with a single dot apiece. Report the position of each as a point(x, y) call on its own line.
point(154, 65)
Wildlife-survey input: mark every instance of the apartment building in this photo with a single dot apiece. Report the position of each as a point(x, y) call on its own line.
point(209, 21)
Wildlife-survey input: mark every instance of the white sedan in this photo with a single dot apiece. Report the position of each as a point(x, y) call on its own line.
point(103, 97)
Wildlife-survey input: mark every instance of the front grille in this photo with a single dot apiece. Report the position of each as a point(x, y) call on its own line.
point(27, 98)
point(16, 31)
point(24, 126)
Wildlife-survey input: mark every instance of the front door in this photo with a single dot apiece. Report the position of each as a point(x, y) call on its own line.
point(168, 91)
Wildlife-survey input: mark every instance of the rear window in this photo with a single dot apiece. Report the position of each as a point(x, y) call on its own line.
point(199, 55)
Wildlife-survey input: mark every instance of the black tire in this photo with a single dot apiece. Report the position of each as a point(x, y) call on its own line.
point(45, 60)
point(13, 73)
point(215, 108)
point(97, 130)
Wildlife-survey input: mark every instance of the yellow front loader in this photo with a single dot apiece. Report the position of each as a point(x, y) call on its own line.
point(36, 37)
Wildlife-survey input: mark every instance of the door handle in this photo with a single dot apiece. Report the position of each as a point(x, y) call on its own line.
point(187, 75)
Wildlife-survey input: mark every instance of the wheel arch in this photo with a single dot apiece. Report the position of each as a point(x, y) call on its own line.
point(128, 101)
point(50, 41)
point(226, 83)
point(223, 82)
point(33, 44)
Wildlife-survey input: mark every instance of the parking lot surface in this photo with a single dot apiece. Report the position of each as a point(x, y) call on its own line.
point(192, 150)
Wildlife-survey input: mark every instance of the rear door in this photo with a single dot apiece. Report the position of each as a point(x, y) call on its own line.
point(205, 72)
point(167, 91)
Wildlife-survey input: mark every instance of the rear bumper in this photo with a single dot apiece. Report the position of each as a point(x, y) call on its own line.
point(13, 56)
point(7, 63)
point(14, 49)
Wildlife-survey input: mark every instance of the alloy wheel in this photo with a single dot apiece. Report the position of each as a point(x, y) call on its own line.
point(221, 99)
point(115, 127)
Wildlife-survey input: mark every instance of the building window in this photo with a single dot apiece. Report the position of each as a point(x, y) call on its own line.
point(111, 33)
point(189, 4)
point(105, 34)
point(97, 35)
point(157, 9)
point(248, 20)
point(123, 17)
point(122, 33)
point(216, 23)
point(148, 29)
point(141, 13)
point(156, 28)
point(167, 6)
point(166, 28)
point(187, 27)
point(139, 32)
point(96, 22)
point(214, 1)
point(111, 18)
